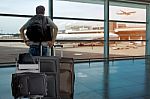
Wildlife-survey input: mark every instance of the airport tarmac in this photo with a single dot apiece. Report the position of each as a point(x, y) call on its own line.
point(10, 50)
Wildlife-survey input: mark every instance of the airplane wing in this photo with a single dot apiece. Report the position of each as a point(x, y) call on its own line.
point(122, 11)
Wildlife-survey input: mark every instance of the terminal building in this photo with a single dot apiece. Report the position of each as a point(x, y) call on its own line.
point(105, 68)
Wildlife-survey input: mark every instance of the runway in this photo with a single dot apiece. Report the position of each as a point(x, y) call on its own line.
point(10, 50)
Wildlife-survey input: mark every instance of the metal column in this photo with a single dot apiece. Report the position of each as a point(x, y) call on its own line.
point(51, 16)
point(51, 9)
point(106, 29)
point(106, 48)
point(147, 51)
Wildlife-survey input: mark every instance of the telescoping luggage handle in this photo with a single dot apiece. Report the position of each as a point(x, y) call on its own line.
point(61, 49)
point(54, 51)
point(40, 49)
point(49, 52)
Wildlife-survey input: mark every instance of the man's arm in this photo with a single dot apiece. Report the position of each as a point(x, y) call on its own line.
point(54, 30)
point(22, 29)
point(22, 33)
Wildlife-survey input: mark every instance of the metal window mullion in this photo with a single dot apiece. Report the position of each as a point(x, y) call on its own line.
point(106, 29)
point(147, 51)
point(51, 16)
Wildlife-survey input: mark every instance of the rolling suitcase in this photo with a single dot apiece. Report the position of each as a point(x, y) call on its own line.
point(50, 66)
point(29, 85)
point(67, 78)
point(67, 75)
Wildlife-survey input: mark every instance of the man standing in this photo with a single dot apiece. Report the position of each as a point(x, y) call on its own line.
point(37, 46)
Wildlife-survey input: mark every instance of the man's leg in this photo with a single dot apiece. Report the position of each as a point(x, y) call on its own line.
point(44, 51)
point(34, 50)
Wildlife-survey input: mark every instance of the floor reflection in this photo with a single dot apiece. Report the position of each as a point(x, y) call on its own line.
point(125, 79)
point(106, 80)
point(147, 76)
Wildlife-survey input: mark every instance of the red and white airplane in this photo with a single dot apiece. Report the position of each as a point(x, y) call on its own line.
point(84, 35)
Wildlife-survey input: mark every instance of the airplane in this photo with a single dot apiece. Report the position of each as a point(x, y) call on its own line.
point(125, 13)
point(83, 36)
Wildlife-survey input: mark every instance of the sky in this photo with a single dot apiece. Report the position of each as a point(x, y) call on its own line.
point(61, 9)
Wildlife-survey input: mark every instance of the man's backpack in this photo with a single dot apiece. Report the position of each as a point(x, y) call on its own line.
point(38, 30)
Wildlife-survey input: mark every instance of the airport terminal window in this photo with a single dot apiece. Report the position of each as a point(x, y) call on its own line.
point(11, 25)
point(11, 19)
point(78, 10)
point(129, 19)
point(24, 7)
point(9, 30)
point(76, 37)
point(127, 14)
point(131, 30)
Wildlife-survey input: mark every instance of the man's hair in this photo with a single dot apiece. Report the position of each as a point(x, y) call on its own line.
point(40, 9)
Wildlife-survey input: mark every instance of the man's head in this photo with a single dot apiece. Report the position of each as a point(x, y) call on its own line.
point(40, 10)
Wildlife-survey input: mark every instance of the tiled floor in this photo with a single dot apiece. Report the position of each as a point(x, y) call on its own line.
point(126, 79)
point(5, 82)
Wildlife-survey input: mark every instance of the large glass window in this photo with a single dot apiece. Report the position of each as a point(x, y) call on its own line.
point(25, 7)
point(11, 25)
point(78, 10)
point(9, 30)
point(80, 38)
point(127, 14)
point(127, 22)
point(78, 24)
point(83, 22)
